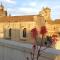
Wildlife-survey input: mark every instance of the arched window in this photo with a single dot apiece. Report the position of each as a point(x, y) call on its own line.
point(10, 33)
point(45, 20)
point(24, 32)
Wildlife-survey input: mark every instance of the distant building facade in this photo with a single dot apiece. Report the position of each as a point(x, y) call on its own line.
point(19, 27)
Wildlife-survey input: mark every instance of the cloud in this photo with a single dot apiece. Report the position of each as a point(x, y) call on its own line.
point(28, 10)
point(30, 4)
point(33, 4)
point(10, 1)
point(22, 11)
point(55, 12)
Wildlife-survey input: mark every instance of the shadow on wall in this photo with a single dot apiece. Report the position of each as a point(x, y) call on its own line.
point(11, 34)
point(15, 34)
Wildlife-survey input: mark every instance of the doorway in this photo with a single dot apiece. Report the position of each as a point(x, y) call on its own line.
point(24, 32)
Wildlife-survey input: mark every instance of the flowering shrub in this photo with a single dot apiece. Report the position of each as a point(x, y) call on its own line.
point(43, 30)
point(34, 32)
point(54, 39)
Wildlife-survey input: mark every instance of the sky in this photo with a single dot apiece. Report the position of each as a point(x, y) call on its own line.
point(31, 7)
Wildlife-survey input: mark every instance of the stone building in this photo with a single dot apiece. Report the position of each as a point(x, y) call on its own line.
point(19, 27)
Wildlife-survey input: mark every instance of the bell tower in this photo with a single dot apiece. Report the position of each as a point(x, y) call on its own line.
point(1, 7)
point(2, 11)
point(46, 12)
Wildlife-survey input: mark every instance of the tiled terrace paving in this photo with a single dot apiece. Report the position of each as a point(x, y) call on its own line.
point(12, 50)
